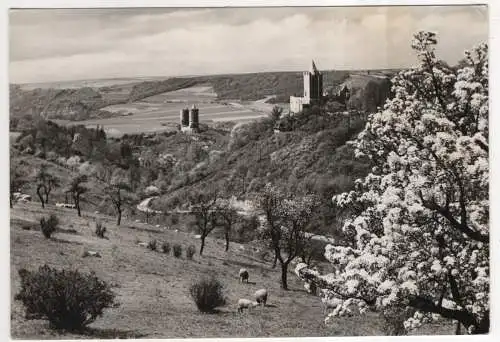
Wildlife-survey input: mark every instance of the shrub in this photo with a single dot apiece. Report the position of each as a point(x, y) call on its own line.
point(190, 252)
point(68, 299)
point(165, 247)
point(208, 294)
point(49, 226)
point(153, 245)
point(394, 319)
point(100, 230)
point(174, 219)
point(177, 250)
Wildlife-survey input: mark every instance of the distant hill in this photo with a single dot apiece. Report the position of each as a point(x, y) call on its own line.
point(88, 102)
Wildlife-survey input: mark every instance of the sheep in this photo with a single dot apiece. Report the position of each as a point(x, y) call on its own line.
point(261, 296)
point(246, 304)
point(330, 303)
point(92, 254)
point(243, 275)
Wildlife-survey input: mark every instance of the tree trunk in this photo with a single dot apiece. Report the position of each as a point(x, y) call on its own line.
point(275, 261)
point(202, 244)
point(284, 274)
point(484, 325)
point(40, 196)
point(76, 199)
point(47, 192)
point(119, 219)
point(227, 240)
point(11, 201)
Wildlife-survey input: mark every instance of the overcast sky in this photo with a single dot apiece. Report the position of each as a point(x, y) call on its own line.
point(52, 45)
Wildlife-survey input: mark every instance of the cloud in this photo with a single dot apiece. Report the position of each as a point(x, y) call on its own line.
point(49, 45)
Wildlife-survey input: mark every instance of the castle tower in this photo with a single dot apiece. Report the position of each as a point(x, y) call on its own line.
point(313, 85)
point(194, 118)
point(184, 119)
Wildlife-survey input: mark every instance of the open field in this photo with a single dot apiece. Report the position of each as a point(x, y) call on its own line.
point(161, 112)
point(152, 287)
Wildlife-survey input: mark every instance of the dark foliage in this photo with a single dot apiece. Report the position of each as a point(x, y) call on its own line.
point(49, 226)
point(68, 299)
point(208, 294)
point(190, 252)
point(394, 319)
point(153, 245)
point(177, 250)
point(100, 230)
point(165, 247)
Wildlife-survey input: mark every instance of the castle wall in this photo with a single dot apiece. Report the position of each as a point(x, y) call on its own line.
point(307, 85)
point(296, 104)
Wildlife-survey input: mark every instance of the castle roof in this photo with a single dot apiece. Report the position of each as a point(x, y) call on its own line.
point(314, 70)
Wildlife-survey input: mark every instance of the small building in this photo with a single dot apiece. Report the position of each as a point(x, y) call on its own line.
point(313, 90)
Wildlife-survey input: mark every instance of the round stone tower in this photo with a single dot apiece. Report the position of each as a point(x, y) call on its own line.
point(194, 117)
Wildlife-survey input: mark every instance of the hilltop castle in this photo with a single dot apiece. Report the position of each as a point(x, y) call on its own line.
point(313, 90)
point(189, 120)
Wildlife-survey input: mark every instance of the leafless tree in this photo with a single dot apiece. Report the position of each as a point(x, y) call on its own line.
point(203, 207)
point(76, 189)
point(45, 184)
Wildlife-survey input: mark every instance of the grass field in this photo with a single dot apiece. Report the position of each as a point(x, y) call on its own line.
point(152, 288)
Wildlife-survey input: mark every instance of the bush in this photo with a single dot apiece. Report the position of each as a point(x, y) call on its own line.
point(49, 226)
point(100, 230)
point(153, 245)
point(177, 250)
point(394, 318)
point(165, 247)
point(174, 219)
point(68, 299)
point(190, 252)
point(208, 294)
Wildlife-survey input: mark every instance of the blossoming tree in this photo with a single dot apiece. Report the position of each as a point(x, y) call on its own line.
point(419, 226)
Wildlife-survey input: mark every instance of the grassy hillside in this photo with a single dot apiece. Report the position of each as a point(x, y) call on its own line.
point(309, 155)
point(152, 288)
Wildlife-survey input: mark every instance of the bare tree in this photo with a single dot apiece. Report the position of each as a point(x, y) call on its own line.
point(116, 194)
point(226, 217)
point(276, 113)
point(203, 207)
point(76, 189)
point(117, 189)
point(45, 184)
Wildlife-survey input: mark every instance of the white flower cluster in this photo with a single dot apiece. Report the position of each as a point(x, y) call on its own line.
point(422, 216)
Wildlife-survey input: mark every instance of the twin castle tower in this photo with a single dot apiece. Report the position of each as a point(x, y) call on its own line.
point(313, 93)
point(190, 119)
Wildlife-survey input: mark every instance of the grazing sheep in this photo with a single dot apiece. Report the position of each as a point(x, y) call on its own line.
point(261, 296)
point(243, 275)
point(246, 304)
point(330, 303)
point(91, 254)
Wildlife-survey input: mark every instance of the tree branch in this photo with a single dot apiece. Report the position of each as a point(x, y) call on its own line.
point(462, 227)
point(427, 305)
